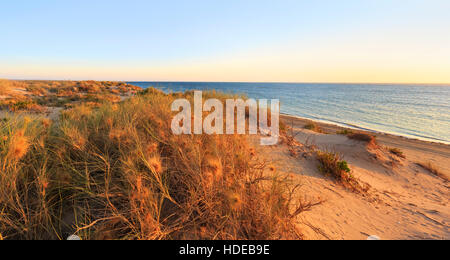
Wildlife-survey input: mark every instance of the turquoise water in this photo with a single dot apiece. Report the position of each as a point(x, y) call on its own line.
point(415, 111)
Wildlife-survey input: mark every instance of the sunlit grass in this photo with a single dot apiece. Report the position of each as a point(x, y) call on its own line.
point(115, 171)
point(35, 96)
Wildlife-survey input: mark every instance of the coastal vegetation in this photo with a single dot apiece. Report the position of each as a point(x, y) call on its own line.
point(332, 164)
point(5, 87)
point(398, 152)
point(104, 164)
point(363, 137)
point(344, 132)
point(39, 96)
point(313, 126)
point(429, 166)
point(114, 170)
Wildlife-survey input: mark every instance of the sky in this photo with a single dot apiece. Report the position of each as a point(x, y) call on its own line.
point(390, 41)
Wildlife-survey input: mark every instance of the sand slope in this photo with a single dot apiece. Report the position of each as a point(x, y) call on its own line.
point(405, 201)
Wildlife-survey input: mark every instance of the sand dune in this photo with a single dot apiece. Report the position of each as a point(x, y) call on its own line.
point(405, 200)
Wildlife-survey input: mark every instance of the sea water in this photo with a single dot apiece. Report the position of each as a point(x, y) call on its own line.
point(410, 110)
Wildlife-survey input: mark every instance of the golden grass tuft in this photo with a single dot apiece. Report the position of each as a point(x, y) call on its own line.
point(214, 165)
point(151, 148)
point(155, 164)
point(313, 126)
point(25, 191)
point(234, 201)
point(117, 134)
point(75, 138)
point(18, 146)
point(370, 140)
point(398, 152)
point(46, 123)
point(429, 166)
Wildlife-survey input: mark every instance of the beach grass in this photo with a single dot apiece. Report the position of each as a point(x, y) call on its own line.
point(5, 87)
point(363, 137)
point(313, 126)
point(36, 96)
point(429, 166)
point(344, 132)
point(398, 152)
point(115, 171)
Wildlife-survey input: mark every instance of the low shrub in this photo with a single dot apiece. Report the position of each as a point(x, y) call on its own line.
point(398, 152)
point(331, 164)
point(314, 127)
point(363, 137)
point(5, 87)
point(344, 132)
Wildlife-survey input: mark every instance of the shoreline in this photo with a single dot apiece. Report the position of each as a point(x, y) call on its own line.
point(405, 201)
point(342, 126)
point(378, 125)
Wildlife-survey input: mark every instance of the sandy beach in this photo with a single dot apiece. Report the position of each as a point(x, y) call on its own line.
point(405, 201)
point(402, 188)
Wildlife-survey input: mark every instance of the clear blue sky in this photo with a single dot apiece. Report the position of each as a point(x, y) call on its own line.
point(234, 40)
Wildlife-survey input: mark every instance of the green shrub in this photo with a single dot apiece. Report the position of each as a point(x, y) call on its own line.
point(343, 165)
point(331, 164)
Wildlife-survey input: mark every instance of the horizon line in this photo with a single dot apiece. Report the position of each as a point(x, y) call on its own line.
point(293, 82)
point(259, 82)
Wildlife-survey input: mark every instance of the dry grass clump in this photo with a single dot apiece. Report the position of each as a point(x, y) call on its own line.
point(18, 145)
point(5, 87)
point(117, 172)
point(363, 137)
point(398, 152)
point(11, 88)
point(288, 137)
point(331, 164)
point(344, 132)
point(313, 126)
point(28, 95)
point(16, 105)
point(429, 166)
point(26, 195)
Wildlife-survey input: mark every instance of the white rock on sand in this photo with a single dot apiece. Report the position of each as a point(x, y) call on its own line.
point(74, 238)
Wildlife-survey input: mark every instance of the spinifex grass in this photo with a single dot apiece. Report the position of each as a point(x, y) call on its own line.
point(26, 197)
point(35, 96)
point(117, 172)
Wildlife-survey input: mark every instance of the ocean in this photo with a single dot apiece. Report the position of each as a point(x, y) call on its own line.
point(414, 111)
